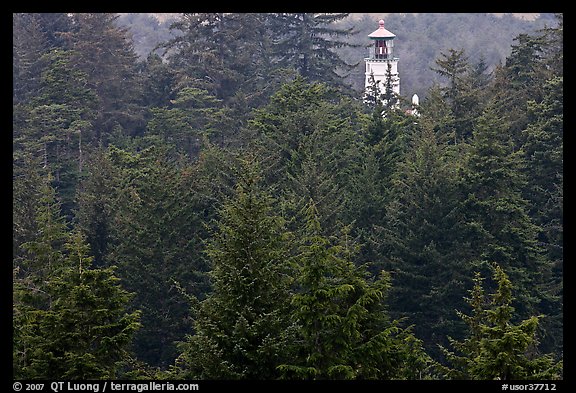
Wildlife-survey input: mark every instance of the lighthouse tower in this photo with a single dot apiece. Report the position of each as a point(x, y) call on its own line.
point(380, 57)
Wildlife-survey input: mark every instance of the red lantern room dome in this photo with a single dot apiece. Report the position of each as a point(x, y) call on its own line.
point(381, 32)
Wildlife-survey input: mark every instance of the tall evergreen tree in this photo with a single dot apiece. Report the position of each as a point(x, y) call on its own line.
point(155, 239)
point(191, 120)
point(242, 328)
point(308, 42)
point(543, 149)
point(309, 143)
point(104, 52)
point(343, 329)
point(58, 123)
point(462, 91)
point(497, 225)
point(227, 54)
point(29, 43)
point(70, 319)
point(419, 239)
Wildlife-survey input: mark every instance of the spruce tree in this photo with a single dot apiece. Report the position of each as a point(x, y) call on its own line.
point(543, 148)
point(104, 53)
point(189, 122)
point(462, 93)
point(307, 138)
point(228, 55)
point(155, 229)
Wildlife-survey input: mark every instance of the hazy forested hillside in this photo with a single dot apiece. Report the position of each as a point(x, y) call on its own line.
point(420, 37)
point(214, 196)
point(485, 37)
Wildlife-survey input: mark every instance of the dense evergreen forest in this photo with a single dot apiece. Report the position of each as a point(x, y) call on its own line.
point(228, 203)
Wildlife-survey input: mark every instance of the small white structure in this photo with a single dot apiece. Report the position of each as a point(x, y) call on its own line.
point(380, 56)
point(415, 104)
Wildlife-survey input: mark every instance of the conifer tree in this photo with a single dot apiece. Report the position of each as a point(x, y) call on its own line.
point(29, 44)
point(310, 146)
point(155, 239)
point(309, 43)
point(372, 94)
point(59, 123)
point(70, 319)
point(189, 121)
point(242, 328)
point(543, 148)
point(462, 93)
point(343, 329)
point(389, 97)
point(419, 238)
point(228, 55)
point(104, 53)
point(497, 348)
point(497, 225)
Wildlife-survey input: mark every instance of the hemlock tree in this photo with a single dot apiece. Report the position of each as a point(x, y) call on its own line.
point(497, 348)
point(242, 328)
point(343, 331)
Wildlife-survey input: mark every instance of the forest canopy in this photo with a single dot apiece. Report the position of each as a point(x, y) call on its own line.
point(216, 196)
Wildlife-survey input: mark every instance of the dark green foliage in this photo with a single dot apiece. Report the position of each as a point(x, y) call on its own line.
point(84, 333)
point(242, 328)
point(226, 54)
point(419, 239)
point(29, 43)
point(497, 222)
point(105, 54)
point(158, 82)
point(191, 120)
point(307, 42)
point(495, 347)
point(534, 59)
point(56, 123)
point(343, 331)
point(70, 319)
point(461, 94)
point(133, 177)
point(150, 226)
point(543, 149)
point(310, 147)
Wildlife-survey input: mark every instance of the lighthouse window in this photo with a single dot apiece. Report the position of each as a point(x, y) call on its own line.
point(381, 50)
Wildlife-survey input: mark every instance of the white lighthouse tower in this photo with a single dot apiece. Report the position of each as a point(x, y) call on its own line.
point(380, 57)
